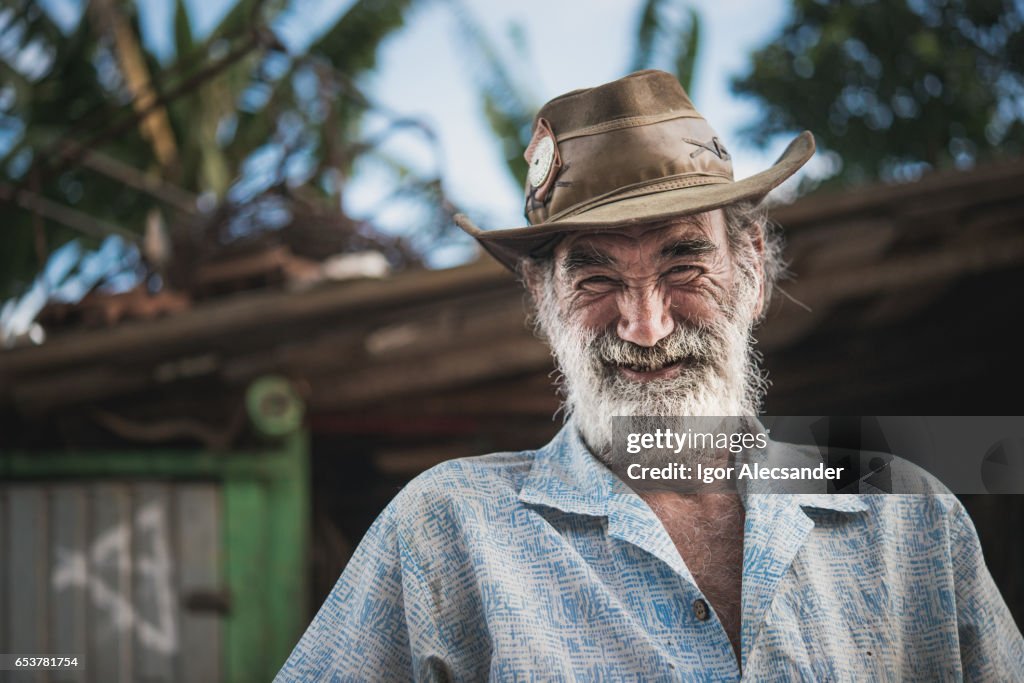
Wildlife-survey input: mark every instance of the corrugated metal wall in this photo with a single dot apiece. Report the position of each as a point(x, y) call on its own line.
point(115, 573)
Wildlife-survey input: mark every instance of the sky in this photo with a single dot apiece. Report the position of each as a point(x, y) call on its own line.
point(423, 73)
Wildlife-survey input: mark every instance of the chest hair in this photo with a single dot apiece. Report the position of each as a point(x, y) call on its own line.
point(707, 530)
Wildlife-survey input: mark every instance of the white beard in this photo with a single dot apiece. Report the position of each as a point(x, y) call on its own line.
point(721, 378)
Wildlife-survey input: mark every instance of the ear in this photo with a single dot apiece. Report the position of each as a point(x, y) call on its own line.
point(531, 274)
point(535, 275)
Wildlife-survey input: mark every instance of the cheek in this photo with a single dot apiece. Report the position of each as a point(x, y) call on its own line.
point(696, 306)
point(594, 312)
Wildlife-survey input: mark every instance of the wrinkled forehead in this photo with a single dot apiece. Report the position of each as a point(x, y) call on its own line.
point(645, 238)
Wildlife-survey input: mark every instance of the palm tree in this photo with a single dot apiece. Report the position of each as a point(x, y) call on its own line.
point(87, 115)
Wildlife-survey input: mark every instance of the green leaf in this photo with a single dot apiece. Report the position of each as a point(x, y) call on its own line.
point(686, 61)
point(508, 106)
point(183, 40)
point(643, 52)
point(351, 44)
point(668, 38)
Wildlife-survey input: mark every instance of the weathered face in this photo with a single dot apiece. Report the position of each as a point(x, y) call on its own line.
point(653, 320)
point(643, 282)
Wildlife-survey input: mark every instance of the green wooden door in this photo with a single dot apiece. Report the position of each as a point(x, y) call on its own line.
point(157, 565)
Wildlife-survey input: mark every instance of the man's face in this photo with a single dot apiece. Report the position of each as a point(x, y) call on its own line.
point(653, 320)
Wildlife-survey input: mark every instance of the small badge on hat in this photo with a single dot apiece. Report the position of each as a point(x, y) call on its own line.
point(540, 161)
point(544, 160)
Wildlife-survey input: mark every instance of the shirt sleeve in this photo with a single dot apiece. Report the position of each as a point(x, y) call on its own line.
point(991, 647)
point(362, 631)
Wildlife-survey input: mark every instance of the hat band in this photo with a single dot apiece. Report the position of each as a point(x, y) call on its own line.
point(627, 122)
point(673, 182)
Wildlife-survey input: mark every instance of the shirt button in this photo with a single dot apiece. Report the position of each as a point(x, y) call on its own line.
point(700, 609)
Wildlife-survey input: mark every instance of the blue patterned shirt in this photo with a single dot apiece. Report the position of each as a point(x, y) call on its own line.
point(544, 566)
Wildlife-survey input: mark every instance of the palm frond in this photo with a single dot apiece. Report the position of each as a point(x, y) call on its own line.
point(509, 107)
point(351, 44)
point(668, 38)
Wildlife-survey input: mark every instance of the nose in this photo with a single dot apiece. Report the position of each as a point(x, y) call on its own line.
point(645, 316)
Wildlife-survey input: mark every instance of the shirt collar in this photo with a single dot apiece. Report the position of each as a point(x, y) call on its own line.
point(566, 476)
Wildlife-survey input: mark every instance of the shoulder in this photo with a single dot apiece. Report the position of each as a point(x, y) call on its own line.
point(897, 495)
point(460, 496)
point(480, 477)
point(912, 501)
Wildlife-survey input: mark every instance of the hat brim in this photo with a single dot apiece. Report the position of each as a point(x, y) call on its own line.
point(511, 244)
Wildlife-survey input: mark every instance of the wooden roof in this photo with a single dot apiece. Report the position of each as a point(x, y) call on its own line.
point(910, 288)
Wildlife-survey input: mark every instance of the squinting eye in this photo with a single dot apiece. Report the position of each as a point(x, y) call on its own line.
point(598, 280)
point(681, 275)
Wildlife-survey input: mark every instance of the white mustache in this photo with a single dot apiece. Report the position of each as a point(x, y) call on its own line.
point(697, 347)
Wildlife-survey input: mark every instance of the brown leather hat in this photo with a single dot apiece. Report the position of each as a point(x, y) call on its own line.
point(630, 151)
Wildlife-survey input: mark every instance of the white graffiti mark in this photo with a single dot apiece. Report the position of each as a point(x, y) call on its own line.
point(110, 556)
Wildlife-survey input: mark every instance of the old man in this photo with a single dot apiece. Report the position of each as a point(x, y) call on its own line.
point(648, 266)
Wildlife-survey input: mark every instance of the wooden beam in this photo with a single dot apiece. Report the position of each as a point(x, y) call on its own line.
point(455, 367)
point(820, 293)
point(940, 191)
point(249, 313)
